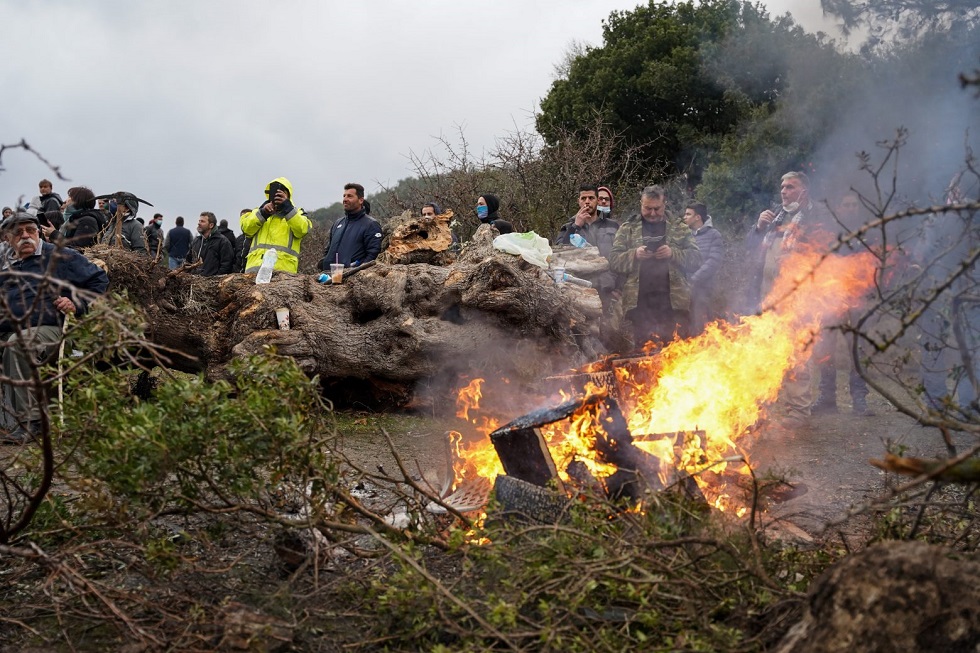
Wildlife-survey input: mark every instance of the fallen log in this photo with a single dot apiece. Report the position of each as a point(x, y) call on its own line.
point(378, 334)
point(964, 471)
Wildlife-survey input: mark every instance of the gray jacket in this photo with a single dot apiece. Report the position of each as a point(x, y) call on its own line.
point(132, 234)
point(712, 254)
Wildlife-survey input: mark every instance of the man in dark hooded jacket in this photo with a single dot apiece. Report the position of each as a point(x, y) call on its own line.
point(154, 235)
point(487, 207)
point(211, 248)
point(82, 226)
point(355, 239)
point(225, 231)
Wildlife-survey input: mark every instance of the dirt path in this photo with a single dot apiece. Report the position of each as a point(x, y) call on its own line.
point(827, 461)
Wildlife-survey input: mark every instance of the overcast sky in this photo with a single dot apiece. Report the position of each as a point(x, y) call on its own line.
point(196, 105)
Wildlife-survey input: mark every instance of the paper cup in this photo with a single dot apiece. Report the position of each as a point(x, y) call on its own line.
point(282, 318)
point(337, 272)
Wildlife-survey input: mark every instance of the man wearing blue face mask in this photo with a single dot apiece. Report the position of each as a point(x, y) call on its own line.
point(486, 209)
point(592, 222)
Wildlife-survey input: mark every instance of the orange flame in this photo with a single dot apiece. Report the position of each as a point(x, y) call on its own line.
point(718, 383)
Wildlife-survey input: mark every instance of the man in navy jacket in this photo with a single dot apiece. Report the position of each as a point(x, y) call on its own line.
point(355, 239)
point(42, 285)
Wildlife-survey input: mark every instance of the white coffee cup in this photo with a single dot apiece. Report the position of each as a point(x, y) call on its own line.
point(282, 318)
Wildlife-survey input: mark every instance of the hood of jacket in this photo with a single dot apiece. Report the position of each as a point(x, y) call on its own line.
point(284, 182)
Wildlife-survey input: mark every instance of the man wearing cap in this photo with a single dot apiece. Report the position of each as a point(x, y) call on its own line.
point(42, 285)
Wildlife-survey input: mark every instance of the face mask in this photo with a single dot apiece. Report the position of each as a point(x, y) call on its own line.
point(602, 209)
point(482, 211)
point(792, 207)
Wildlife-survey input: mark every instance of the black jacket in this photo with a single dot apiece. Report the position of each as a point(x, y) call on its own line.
point(242, 246)
point(154, 237)
point(50, 211)
point(82, 228)
point(227, 233)
point(216, 253)
point(21, 290)
point(354, 239)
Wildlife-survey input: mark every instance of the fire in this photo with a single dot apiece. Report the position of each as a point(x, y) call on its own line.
point(575, 440)
point(477, 457)
point(717, 384)
point(469, 398)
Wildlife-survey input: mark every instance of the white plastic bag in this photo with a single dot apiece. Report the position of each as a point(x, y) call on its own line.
point(529, 246)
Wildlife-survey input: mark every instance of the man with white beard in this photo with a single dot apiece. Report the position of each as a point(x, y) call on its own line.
point(39, 289)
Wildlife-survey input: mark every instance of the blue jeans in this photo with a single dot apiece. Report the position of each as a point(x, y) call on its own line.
point(175, 263)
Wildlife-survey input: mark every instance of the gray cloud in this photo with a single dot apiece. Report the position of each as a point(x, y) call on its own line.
point(196, 105)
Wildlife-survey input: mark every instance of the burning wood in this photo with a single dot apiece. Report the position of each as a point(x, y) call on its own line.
point(625, 470)
point(691, 401)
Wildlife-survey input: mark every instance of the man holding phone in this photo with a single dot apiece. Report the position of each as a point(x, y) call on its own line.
point(277, 224)
point(655, 253)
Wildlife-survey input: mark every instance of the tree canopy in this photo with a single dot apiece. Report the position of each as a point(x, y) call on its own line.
point(674, 79)
point(906, 19)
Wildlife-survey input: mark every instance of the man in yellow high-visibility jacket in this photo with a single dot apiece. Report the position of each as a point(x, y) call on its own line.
point(278, 225)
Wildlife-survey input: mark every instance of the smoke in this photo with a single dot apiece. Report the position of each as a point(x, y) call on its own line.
point(914, 89)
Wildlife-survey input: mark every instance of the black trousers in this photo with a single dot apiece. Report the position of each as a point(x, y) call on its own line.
point(655, 319)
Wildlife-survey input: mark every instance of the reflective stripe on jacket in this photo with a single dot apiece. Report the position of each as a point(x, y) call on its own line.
point(283, 233)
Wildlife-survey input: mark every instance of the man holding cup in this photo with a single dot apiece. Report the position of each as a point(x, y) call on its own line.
point(778, 232)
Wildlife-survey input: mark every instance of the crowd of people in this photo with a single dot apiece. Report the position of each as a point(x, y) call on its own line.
point(661, 278)
point(663, 272)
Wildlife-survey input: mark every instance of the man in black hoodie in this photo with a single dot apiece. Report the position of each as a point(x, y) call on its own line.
point(355, 239)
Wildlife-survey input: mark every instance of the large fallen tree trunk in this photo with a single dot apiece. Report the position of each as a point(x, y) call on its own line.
point(381, 331)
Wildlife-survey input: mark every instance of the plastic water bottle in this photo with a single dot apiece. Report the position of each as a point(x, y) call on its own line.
point(268, 265)
point(578, 240)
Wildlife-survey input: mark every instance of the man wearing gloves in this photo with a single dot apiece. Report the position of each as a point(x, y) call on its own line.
point(276, 225)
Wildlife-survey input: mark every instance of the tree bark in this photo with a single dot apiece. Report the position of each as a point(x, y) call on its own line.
point(381, 331)
point(893, 596)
